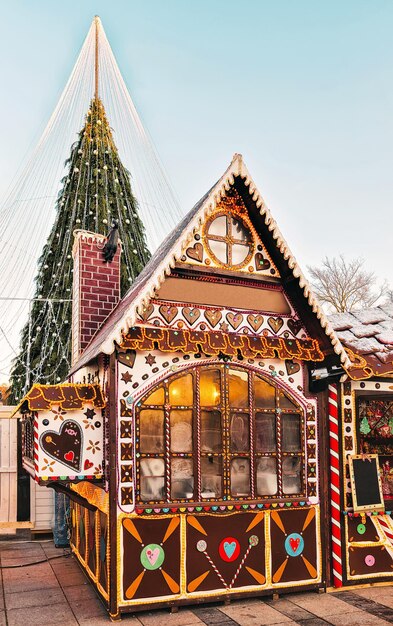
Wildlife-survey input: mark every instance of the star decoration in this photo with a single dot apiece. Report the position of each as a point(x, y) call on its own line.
point(126, 377)
point(224, 327)
point(90, 413)
point(150, 359)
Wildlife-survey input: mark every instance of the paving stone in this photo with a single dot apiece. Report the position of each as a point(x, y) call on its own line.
point(382, 595)
point(213, 616)
point(76, 593)
point(288, 608)
point(37, 597)
point(362, 619)
point(255, 613)
point(183, 617)
point(3, 620)
point(39, 615)
point(370, 606)
point(315, 621)
point(28, 579)
point(322, 604)
point(84, 609)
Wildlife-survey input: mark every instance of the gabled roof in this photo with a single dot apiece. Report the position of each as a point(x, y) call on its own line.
point(171, 250)
point(368, 337)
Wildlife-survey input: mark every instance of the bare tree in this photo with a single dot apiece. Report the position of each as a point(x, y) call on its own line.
point(345, 285)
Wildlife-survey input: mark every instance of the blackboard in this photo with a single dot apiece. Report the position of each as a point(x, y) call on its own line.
point(366, 483)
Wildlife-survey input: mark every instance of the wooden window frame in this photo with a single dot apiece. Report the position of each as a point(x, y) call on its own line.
point(226, 454)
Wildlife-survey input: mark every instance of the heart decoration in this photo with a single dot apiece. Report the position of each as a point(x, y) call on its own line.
point(291, 367)
point(294, 326)
point(213, 316)
point(146, 312)
point(275, 323)
point(255, 321)
point(168, 312)
point(261, 263)
point(191, 315)
point(153, 555)
point(235, 319)
point(64, 446)
point(294, 543)
point(229, 548)
point(195, 252)
point(87, 465)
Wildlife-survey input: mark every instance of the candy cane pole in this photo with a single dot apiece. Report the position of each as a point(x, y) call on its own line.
point(335, 512)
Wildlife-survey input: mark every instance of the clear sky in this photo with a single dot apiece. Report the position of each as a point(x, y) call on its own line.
point(302, 88)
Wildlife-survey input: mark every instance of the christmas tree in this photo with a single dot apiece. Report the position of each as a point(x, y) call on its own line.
point(95, 192)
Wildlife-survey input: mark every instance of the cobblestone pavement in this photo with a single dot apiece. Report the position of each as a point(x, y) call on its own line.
point(56, 592)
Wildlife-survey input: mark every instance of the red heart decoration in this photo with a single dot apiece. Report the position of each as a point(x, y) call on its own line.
point(88, 464)
point(294, 543)
point(69, 456)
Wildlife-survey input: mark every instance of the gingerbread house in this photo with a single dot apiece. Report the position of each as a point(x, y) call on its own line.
point(211, 478)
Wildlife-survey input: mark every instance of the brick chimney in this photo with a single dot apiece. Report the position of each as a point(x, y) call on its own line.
point(96, 288)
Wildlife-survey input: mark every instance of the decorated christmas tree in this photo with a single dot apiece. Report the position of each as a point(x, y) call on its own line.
point(96, 192)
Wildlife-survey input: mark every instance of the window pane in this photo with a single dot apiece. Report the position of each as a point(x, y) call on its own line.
point(218, 226)
point(265, 426)
point(211, 472)
point(152, 479)
point(181, 391)
point(219, 249)
point(285, 402)
point(156, 397)
point(238, 389)
point(239, 253)
point(240, 477)
point(209, 382)
point(290, 429)
point(182, 478)
point(239, 433)
point(267, 476)
point(264, 394)
point(181, 431)
point(239, 231)
point(291, 475)
point(211, 431)
point(151, 430)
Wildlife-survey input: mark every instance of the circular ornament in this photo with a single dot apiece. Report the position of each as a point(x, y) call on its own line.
point(45, 422)
point(152, 556)
point(253, 540)
point(294, 544)
point(369, 560)
point(229, 549)
point(361, 528)
point(201, 545)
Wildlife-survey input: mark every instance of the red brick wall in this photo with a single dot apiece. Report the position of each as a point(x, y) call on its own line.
point(96, 288)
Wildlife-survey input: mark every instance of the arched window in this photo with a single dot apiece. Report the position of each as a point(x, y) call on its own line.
point(218, 433)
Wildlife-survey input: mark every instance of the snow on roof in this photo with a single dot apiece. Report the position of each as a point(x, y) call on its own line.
point(148, 282)
point(370, 335)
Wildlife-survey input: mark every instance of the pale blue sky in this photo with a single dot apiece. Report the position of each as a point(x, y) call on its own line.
point(304, 89)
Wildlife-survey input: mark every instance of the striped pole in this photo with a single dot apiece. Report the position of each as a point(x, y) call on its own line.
point(335, 487)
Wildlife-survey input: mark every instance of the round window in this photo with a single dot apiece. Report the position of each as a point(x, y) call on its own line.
point(228, 240)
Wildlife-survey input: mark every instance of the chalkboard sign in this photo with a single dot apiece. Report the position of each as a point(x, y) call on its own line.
point(366, 483)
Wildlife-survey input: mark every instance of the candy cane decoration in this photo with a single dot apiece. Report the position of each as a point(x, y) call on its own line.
point(201, 547)
point(385, 527)
point(167, 452)
point(253, 541)
point(335, 512)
